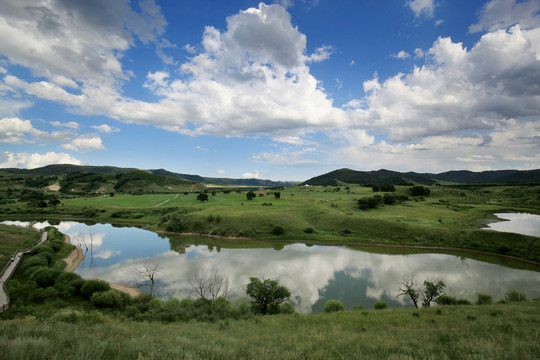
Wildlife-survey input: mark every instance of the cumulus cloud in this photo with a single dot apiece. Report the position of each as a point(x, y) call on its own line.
point(251, 78)
point(32, 161)
point(458, 90)
point(14, 130)
point(85, 143)
point(71, 124)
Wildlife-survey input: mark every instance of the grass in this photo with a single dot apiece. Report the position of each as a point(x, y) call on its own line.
point(500, 331)
point(13, 239)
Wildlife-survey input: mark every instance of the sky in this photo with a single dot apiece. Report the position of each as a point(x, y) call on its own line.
point(282, 90)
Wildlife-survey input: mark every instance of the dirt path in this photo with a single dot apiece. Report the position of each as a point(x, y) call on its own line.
point(76, 257)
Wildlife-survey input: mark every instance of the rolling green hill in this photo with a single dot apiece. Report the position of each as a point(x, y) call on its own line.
point(349, 176)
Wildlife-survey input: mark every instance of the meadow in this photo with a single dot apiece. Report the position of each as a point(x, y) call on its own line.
point(498, 331)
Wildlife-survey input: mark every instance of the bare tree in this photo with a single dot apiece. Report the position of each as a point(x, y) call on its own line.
point(210, 285)
point(410, 288)
point(148, 272)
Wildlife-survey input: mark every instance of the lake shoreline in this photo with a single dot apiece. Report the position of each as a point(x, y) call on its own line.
point(76, 257)
point(353, 244)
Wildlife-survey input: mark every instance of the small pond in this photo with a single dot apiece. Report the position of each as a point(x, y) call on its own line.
point(519, 223)
point(314, 274)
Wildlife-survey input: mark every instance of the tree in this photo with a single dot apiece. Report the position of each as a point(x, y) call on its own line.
point(202, 197)
point(250, 195)
point(210, 286)
point(148, 272)
point(420, 190)
point(267, 295)
point(277, 194)
point(432, 291)
point(410, 288)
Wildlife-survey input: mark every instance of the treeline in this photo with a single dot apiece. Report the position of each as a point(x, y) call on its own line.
point(389, 198)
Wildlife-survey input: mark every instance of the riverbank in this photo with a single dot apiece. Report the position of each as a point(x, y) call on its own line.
point(76, 257)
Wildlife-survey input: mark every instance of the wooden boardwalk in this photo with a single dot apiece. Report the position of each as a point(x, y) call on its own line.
point(9, 270)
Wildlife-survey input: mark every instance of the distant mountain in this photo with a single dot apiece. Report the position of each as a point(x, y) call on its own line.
point(349, 176)
point(63, 169)
point(224, 181)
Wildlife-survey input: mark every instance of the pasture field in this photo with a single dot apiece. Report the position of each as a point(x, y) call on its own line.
point(13, 239)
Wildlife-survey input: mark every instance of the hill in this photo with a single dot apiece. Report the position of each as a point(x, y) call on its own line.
point(64, 169)
point(349, 176)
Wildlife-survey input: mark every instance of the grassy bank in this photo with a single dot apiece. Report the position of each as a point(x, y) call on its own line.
point(501, 331)
point(13, 239)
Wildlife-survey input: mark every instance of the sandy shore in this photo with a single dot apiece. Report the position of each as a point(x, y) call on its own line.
point(75, 258)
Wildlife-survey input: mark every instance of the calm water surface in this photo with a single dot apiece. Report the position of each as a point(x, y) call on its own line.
point(519, 223)
point(314, 274)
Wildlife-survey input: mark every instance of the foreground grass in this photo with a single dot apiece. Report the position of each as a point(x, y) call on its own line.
point(500, 331)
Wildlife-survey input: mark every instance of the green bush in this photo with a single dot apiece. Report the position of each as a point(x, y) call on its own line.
point(278, 230)
point(483, 299)
point(309, 230)
point(514, 295)
point(110, 299)
point(40, 249)
point(47, 278)
point(446, 300)
point(89, 287)
point(379, 305)
point(287, 308)
point(333, 306)
point(32, 262)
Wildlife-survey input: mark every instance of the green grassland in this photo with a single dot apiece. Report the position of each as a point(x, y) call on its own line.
point(451, 216)
point(13, 239)
point(500, 331)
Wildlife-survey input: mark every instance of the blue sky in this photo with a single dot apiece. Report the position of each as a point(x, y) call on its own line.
point(281, 90)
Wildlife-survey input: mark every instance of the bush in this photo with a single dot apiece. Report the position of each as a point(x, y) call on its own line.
point(89, 287)
point(379, 305)
point(110, 299)
point(277, 230)
point(309, 230)
point(514, 295)
point(33, 262)
point(47, 278)
point(446, 300)
point(333, 306)
point(420, 191)
point(483, 299)
point(287, 308)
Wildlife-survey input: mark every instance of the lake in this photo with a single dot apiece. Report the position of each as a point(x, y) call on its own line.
point(519, 223)
point(314, 274)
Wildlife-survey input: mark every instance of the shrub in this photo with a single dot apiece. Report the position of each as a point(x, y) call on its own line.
point(287, 308)
point(514, 295)
point(89, 287)
point(379, 305)
point(40, 249)
point(463, 302)
point(309, 230)
point(333, 306)
point(483, 299)
point(243, 310)
point(446, 300)
point(33, 262)
point(110, 299)
point(47, 278)
point(277, 230)
point(420, 191)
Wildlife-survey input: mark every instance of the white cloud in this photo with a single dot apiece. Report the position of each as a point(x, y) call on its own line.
point(401, 55)
point(71, 124)
point(32, 161)
point(422, 7)
point(105, 129)
point(85, 143)
point(251, 78)
point(501, 14)
point(418, 53)
point(220, 171)
point(321, 54)
point(14, 130)
point(251, 175)
point(459, 90)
